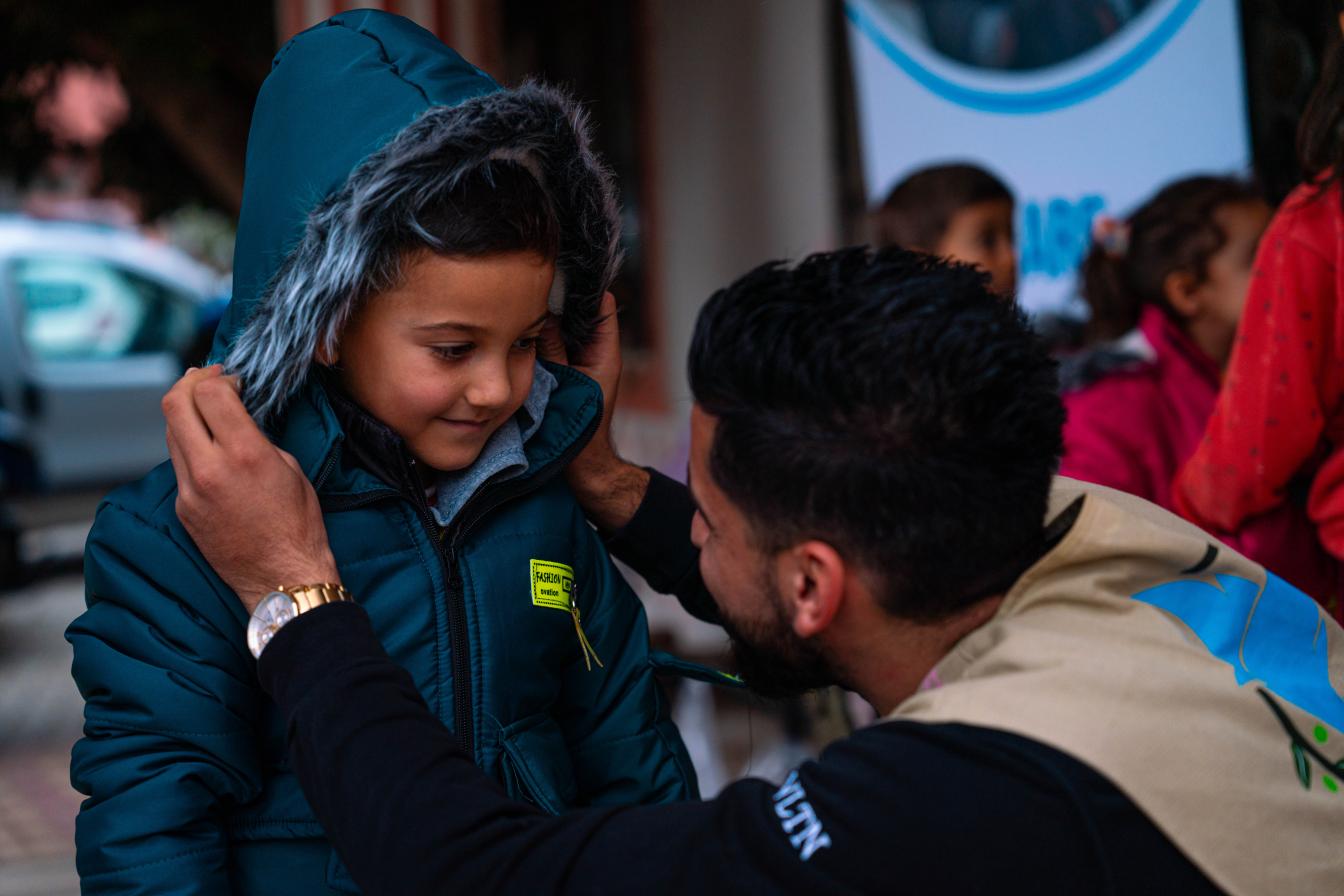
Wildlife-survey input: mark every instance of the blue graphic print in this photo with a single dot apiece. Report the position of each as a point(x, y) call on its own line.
point(1027, 102)
point(1277, 636)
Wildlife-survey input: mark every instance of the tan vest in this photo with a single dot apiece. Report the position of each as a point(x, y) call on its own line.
point(1203, 688)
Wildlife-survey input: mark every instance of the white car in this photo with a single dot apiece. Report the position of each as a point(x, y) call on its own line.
point(95, 324)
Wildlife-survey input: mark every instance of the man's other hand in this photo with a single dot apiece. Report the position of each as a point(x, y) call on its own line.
point(608, 488)
point(247, 505)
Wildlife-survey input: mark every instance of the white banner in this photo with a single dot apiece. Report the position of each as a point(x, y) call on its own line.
point(1157, 94)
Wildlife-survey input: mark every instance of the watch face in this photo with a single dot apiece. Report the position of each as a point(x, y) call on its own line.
point(275, 610)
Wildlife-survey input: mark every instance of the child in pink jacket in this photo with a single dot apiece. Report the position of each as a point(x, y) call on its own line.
point(1166, 289)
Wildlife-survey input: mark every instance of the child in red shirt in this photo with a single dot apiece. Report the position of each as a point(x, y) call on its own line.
point(1279, 420)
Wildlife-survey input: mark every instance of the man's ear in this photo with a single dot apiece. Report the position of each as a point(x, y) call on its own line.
point(812, 577)
point(1181, 289)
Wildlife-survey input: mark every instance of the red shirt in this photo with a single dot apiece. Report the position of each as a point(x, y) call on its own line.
point(1279, 414)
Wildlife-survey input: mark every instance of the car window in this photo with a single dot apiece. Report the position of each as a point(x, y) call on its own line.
point(84, 308)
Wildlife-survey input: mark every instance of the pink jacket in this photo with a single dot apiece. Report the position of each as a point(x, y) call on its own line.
point(1135, 425)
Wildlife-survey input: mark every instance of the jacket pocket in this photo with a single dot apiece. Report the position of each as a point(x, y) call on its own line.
point(536, 763)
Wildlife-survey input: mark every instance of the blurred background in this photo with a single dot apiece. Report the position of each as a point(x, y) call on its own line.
point(739, 130)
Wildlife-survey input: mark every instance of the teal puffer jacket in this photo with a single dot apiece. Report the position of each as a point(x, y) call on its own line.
point(183, 759)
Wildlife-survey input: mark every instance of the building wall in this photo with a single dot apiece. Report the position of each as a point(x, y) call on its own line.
point(741, 167)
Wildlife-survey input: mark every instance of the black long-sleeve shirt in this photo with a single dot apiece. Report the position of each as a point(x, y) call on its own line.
point(657, 544)
point(898, 807)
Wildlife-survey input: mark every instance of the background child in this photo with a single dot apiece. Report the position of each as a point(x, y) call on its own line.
point(1279, 423)
point(1166, 290)
point(960, 212)
point(408, 227)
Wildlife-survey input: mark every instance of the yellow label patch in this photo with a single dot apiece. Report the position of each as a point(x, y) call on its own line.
point(553, 585)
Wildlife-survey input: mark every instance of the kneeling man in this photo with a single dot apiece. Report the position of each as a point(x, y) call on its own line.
point(1081, 693)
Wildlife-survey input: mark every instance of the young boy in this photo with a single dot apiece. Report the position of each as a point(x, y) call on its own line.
point(408, 228)
point(960, 212)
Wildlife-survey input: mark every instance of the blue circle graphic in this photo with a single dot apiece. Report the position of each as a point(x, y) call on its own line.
point(1027, 102)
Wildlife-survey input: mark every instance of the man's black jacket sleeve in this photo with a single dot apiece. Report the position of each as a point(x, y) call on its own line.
point(896, 807)
point(656, 543)
point(410, 813)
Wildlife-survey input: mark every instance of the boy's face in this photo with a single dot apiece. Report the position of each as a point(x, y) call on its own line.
point(447, 356)
point(982, 235)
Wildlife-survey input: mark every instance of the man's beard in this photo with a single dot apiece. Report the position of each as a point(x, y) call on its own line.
point(771, 658)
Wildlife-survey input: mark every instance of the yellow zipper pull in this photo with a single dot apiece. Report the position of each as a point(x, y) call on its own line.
point(584, 643)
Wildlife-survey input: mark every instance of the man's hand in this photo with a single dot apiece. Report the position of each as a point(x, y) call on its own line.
point(246, 504)
point(608, 488)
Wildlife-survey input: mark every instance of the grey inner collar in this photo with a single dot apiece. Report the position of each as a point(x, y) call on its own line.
point(502, 457)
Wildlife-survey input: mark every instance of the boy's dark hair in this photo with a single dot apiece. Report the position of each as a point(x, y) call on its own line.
point(496, 207)
point(1173, 231)
point(918, 210)
point(890, 405)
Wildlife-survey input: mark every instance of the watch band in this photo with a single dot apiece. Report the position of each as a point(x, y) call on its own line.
point(284, 605)
point(306, 597)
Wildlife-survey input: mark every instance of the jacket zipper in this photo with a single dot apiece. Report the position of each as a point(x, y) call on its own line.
point(327, 467)
point(457, 611)
point(480, 505)
point(486, 501)
point(457, 616)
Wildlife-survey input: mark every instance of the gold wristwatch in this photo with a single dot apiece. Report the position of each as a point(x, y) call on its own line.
point(282, 605)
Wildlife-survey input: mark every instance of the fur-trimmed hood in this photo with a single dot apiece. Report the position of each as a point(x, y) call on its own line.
point(349, 105)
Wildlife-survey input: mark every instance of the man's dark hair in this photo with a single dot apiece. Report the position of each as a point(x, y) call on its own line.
point(919, 209)
point(888, 404)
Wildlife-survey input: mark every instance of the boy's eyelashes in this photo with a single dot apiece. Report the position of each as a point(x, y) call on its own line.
point(456, 351)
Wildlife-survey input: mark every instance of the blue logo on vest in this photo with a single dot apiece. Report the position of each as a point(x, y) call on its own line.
point(1277, 636)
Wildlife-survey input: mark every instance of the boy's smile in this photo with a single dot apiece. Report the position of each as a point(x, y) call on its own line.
point(446, 356)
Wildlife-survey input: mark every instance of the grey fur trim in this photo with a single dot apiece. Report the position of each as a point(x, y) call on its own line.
point(337, 262)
